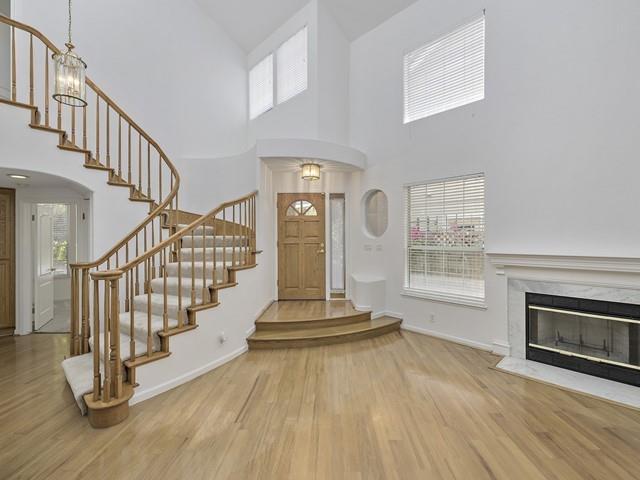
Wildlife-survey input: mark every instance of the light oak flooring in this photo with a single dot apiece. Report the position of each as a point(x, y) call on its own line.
point(306, 310)
point(400, 406)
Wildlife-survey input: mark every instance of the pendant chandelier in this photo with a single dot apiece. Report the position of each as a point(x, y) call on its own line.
point(310, 171)
point(70, 75)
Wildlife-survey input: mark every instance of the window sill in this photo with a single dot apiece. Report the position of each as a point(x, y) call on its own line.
point(467, 301)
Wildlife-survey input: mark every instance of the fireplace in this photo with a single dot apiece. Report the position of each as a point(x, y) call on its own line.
point(595, 337)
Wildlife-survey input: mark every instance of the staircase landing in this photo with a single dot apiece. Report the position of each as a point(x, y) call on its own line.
point(293, 324)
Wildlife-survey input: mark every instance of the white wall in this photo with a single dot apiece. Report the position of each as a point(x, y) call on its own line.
point(556, 138)
point(167, 64)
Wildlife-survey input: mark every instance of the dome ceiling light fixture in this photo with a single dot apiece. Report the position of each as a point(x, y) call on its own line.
point(310, 171)
point(70, 87)
point(17, 176)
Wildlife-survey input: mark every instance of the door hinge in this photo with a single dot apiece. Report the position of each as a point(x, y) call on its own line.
point(33, 218)
point(33, 309)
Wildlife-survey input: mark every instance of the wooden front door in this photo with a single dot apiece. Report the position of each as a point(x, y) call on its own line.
point(7, 259)
point(301, 249)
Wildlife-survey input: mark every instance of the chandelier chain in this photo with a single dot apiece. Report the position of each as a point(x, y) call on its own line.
point(69, 21)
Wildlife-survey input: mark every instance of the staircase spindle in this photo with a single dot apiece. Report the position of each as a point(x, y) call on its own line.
point(108, 136)
point(97, 128)
point(106, 388)
point(233, 232)
point(129, 156)
point(215, 262)
point(85, 311)
point(46, 86)
point(31, 69)
point(120, 146)
point(132, 331)
point(14, 92)
point(115, 338)
point(193, 270)
point(96, 340)
point(140, 163)
point(165, 313)
point(144, 243)
point(137, 290)
point(128, 288)
point(224, 245)
point(153, 244)
point(147, 267)
point(84, 127)
point(204, 262)
point(149, 169)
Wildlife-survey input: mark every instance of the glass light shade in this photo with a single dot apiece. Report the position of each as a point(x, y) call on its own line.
point(311, 171)
point(70, 86)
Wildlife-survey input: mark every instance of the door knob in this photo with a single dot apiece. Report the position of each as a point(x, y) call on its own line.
point(320, 251)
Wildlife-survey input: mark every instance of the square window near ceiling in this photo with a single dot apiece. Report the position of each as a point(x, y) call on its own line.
point(291, 66)
point(261, 87)
point(445, 74)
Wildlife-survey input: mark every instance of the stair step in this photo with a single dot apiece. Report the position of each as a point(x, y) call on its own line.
point(125, 351)
point(157, 304)
point(138, 196)
point(117, 181)
point(157, 286)
point(311, 323)
point(220, 252)
point(95, 165)
point(140, 323)
point(78, 371)
point(37, 126)
point(208, 241)
point(297, 338)
point(186, 267)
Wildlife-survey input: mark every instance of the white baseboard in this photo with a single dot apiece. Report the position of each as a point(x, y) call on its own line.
point(462, 341)
point(387, 314)
point(142, 395)
point(362, 308)
point(501, 348)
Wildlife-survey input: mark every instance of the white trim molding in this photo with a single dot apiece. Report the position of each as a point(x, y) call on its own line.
point(442, 297)
point(565, 262)
point(497, 347)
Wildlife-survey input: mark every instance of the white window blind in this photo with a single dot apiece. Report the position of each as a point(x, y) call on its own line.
point(446, 73)
point(261, 87)
point(445, 237)
point(291, 61)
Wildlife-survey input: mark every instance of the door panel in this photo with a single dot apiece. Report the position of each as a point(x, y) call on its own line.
point(301, 257)
point(44, 266)
point(7, 258)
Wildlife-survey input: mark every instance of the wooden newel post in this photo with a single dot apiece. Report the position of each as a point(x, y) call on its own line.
point(85, 311)
point(75, 320)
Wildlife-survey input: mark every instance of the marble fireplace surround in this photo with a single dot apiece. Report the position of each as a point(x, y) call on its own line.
point(597, 278)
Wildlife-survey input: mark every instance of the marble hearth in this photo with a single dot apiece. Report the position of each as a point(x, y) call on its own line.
point(608, 279)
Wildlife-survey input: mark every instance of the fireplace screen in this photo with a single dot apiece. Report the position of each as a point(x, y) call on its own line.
point(604, 342)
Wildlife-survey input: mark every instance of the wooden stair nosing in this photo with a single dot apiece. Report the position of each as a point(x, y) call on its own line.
point(321, 340)
point(45, 128)
point(357, 317)
point(176, 331)
point(14, 103)
point(144, 359)
point(202, 306)
point(239, 268)
point(97, 166)
point(74, 148)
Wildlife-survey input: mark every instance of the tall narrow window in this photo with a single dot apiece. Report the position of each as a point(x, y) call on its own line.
point(261, 87)
point(446, 73)
point(445, 238)
point(336, 201)
point(61, 238)
point(291, 61)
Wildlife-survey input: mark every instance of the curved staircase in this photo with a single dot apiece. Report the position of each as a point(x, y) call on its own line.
point(295, 324)
point(127, 304)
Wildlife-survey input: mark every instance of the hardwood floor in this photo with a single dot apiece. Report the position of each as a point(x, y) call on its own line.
point(401, 406)
point(305, 310)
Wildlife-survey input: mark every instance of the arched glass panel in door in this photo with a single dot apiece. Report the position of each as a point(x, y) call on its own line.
point(301, 208)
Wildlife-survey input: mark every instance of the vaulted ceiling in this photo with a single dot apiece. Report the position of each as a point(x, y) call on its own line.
point(249, 22)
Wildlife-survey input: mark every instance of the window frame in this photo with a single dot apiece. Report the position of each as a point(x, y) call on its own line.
point(275, 101)
point(433, 294)
point(406, 120)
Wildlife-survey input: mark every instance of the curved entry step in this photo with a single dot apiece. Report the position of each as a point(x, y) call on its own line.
point(295, 324)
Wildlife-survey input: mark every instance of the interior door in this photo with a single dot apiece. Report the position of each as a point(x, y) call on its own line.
point(7, 259)
point(301, 248)
point(44, 266)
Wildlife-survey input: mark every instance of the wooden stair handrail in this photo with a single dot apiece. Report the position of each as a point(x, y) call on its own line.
point(160, 207)
point(183, 232)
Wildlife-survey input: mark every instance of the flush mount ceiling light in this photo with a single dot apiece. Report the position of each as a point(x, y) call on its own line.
point(70, 75)
point(310, 171)
point(17, 176)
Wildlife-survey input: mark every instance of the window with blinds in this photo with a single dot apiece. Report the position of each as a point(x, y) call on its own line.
point(445, 238)
point(261, 87)
point(291, 62)
point(446, 73)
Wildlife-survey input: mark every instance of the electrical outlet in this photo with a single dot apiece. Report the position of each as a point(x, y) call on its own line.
point(222, 338)
point(432, 318)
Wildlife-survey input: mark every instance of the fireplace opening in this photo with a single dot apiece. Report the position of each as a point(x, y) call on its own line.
point(590, 336)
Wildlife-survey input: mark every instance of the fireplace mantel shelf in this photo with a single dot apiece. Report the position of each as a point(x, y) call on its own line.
point(565, 262)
